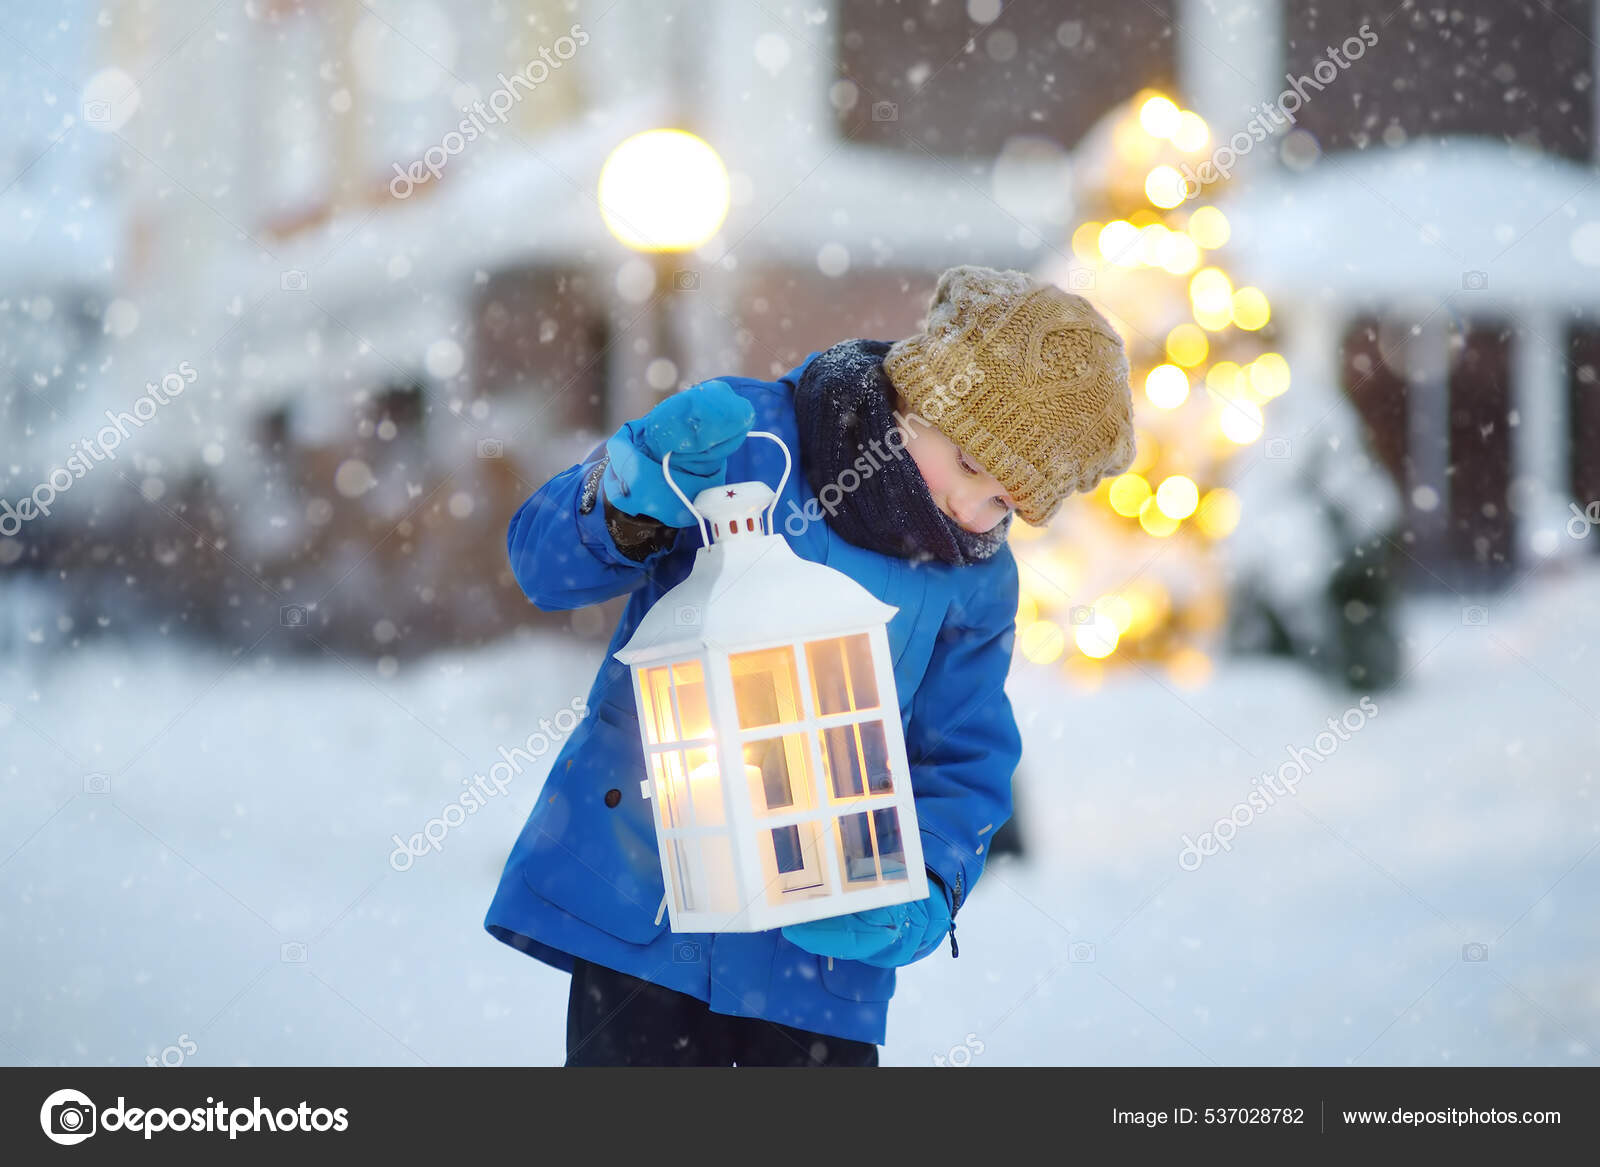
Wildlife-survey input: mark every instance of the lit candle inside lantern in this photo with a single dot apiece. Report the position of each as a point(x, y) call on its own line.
point(705, 792)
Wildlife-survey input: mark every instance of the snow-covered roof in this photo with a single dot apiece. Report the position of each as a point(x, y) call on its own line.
point(1415, 220)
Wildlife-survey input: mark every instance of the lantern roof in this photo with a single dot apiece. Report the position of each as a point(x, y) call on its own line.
point(729, 508)
point(749, 588)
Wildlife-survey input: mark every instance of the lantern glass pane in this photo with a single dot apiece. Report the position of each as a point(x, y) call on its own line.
point(842, 679)
point(857, 860)
point(855, 760)
point(891, 847)
point(694, 714)
point(672, 787)
point(791, 863)
point(778, 770)
point(765, 687)
point(705, 787)
point(655, 687)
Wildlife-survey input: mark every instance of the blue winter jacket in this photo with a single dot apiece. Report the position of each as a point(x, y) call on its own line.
point(583, 877)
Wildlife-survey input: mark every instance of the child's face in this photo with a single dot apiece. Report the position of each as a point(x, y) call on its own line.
point(963, 490)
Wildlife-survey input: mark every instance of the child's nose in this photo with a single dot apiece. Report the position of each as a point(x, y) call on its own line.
point(965, 509)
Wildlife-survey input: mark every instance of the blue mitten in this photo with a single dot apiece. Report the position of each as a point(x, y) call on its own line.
point(700, 427)
point(886, 937)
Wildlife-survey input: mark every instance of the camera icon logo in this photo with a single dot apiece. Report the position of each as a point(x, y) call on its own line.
point(1080, 614)
point(293, 952)
point(885, 111)
point(1475, 952)
point(686, 952)
point(1081, 953)
point(686, 614)
point(293, 280)
point(1580, 522)
point(68, 1117)
point(685, 281)
point(1278, 449)
point(1081, 279)
point(490, 448)
point(292, 615)
point(97, 783)
point(97, 112)
point(1475, 614)
point(1474, 281)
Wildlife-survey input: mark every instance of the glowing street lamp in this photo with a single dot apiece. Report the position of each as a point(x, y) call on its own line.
point(663, 190)
point(662, 193)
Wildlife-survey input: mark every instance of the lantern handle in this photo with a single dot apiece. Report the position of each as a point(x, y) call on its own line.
point(666, 461)
point(705, 536)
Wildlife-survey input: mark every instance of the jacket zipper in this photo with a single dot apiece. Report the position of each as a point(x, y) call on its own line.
point(955, 951)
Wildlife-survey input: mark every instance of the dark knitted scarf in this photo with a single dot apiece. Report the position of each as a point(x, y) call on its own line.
point(843, 402)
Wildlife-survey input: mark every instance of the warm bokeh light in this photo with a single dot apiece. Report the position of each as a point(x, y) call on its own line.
point(1177, 497)
point(1163, 186)
point(1191, 134)
point(1250, 309)
point(1218, 513)
point(1160, 118)
point(1187, 346)
point(1133, 146)
point(1086, 241)
point(1152, 239)
point(1223, 379)
point(1148, 605)
point(1154, 520)
point(1166, 386)
point(1096, 637)
point(1211, 288)
point(1042, 641)
point(1119, 243)
point(1209, 227)
point(1177, 253)
point(1128, 494)
point(1240, 421)
point(1117, 609)
point(663, 190)
point(1269, 375)
point(1211, 299)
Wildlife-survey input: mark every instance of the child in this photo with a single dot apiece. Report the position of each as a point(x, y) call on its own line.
point(1013, 396)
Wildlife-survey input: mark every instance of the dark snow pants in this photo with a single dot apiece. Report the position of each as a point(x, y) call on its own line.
point(614, 1019)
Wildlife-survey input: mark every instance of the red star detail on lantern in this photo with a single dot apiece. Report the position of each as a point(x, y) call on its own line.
point(730, 492)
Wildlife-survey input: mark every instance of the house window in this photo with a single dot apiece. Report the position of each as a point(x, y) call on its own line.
point(925, 74)
point(540, 339)
point(1522, 72)
point(1378, 390)
point(1452, 469)
point(1480, 446)
point(272, 431)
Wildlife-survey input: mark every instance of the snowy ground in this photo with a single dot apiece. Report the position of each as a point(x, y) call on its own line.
point(251, 802)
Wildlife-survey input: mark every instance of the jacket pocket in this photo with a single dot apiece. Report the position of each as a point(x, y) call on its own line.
point(594, 861)
point(855, 981)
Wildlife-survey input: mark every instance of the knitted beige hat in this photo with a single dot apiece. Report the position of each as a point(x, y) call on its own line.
point(1029, 380)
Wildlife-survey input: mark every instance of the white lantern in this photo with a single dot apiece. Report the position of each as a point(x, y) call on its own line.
point(774, 756)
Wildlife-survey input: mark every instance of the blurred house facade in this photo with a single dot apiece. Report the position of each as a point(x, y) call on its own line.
point(383, 378)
